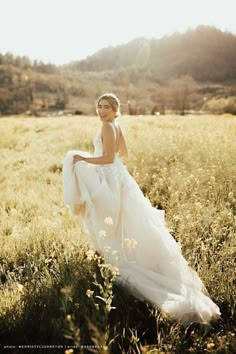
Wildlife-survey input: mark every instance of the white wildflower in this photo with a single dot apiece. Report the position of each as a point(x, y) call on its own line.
point(108, 221)
point(107, 248)
point(102, 234)
point(115, 255)
point(90, 255)
point(130, 242)
point(115, 271)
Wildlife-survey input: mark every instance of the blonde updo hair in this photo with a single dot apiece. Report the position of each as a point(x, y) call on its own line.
point(113, 101)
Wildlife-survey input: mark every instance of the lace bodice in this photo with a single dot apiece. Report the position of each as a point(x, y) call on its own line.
point(97, 143)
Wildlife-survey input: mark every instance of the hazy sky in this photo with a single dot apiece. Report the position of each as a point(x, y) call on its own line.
point(59, 31)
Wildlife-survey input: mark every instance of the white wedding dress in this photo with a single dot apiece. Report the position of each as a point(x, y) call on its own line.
point(121, 224)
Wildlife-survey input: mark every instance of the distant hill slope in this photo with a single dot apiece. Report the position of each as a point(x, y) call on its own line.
point(206, 54)
point(193, 71)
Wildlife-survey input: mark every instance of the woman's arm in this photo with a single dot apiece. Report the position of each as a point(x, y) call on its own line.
point(108, 137)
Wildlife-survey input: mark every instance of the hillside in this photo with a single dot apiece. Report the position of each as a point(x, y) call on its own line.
point(193, 71)
point(205, 54)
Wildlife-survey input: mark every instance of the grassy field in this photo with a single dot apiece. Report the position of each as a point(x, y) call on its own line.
point(49, 280)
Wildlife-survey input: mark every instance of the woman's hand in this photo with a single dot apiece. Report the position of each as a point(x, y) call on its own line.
point(77, 158)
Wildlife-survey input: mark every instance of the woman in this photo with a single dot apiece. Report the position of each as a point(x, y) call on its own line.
point(122, 225)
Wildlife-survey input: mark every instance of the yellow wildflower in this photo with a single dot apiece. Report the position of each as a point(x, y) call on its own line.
point(89, 293)
point(20, 287)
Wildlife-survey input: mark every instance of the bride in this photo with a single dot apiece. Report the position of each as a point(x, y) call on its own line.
point(121, 224)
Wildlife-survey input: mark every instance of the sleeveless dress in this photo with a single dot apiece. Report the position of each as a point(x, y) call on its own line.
point(121, 224)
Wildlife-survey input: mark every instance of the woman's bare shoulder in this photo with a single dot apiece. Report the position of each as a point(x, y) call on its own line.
point(108, 129)
point(107, 126)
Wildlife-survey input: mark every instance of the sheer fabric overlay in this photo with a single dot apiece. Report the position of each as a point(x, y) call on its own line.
point(121, 224)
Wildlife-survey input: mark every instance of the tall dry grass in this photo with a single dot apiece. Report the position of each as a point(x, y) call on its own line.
point(54, 292)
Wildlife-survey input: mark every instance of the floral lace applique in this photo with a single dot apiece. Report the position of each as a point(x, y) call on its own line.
point(97, 142)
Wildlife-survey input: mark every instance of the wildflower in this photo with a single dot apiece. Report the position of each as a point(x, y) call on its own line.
point(108, 221)
point(20, 287)
point(89, 293)
point(90, 255)
point(104, 265)
point(68, 317)
point(130, 242)
point(107, 248)
point(114, 271)
point(115, 256)
point(102, 234)
point(210, 345)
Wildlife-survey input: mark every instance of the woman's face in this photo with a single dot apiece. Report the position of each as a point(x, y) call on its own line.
point(105, 111)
